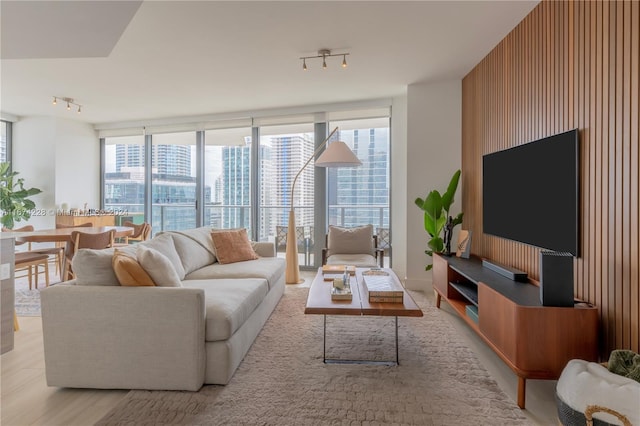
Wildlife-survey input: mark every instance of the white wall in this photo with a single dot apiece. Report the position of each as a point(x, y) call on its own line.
point(434, 139)
point(399, 185)
point(34, 145)
point(62, 158)
point(77, 165)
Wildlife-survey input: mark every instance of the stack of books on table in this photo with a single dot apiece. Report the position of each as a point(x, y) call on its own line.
point(329, 272)
point(381, 287)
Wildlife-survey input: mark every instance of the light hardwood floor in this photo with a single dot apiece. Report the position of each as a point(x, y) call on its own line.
point(25, 398)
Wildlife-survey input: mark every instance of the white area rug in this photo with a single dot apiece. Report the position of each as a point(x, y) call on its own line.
point(27, 302)
point(283, 381)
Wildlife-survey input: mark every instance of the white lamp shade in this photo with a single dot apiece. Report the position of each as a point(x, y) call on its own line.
point(338, 154)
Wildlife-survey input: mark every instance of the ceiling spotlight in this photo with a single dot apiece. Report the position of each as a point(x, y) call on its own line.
point(69, 102)
point(324, 54)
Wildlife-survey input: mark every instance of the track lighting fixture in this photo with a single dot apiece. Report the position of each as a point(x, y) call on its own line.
point(69, 102)
point(324, 54)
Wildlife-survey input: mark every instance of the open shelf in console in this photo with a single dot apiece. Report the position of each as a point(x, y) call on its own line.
point(524, 294)
point(468, 290)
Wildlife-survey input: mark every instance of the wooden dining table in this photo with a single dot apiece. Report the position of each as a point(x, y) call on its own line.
point(63, 235)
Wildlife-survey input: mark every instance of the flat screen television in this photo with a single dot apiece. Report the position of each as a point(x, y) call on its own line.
point(531, 193)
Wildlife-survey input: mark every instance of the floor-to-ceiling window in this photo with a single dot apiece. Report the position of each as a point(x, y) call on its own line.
point(283, 152)
point(360, 195)
point(124, 171)
point(227, 178)
point(173, 182)
point(235, 175)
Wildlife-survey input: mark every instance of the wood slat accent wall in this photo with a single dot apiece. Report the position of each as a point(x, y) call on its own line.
point(569, 65)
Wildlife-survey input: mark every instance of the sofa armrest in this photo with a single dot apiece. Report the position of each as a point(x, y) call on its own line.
point(264, 248)
point(112, 337)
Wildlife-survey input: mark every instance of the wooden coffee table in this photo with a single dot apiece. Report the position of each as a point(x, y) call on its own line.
point(319, 302)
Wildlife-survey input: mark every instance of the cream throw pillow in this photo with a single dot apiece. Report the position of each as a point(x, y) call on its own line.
point(165, 244)
point(94, 267)
point(358, 240)
point(128, 270)
point(233, 246)
point(158, 266)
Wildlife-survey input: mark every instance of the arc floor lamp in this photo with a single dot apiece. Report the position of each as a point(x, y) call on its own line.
point(337, 154)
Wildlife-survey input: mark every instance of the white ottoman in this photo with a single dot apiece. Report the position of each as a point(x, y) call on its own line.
point(583, 384)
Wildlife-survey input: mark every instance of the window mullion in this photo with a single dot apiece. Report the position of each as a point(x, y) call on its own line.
point(254, 183)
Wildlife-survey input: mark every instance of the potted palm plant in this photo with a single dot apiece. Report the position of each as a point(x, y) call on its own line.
point(437, 220)
point(14, 202)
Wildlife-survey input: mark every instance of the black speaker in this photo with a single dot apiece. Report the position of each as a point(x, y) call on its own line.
point(556, 279)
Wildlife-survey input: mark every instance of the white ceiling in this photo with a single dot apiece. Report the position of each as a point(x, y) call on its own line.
point(184, 58)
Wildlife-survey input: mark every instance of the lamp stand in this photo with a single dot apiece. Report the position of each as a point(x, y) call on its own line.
point(292, 273)
point(337, 154)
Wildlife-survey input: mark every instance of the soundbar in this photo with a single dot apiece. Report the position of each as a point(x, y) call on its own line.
point(506, 271)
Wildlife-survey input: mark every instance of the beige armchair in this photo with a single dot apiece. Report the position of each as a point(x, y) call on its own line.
point(352, 246)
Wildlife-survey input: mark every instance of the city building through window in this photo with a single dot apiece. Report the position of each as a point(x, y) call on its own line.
point(245, 186)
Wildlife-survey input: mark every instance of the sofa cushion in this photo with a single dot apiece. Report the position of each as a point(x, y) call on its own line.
point(228, 303)
point(358, 240)
point(232, 246)
point(194, 247)
point(94, 267)
point(158, 266)
point(164, 243)
point(269, 268)
point(357, 260)
point(129, 272)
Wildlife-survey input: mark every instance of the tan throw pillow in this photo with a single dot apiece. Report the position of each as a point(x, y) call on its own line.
point(158, 266)
point(358, 240)
point(128, 270)
point(233, 246)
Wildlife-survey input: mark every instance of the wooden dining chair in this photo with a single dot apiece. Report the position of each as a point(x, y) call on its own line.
point(26, 228)
point(30, 261)
point(62, 246)
point(140, 232)
point(80, 240)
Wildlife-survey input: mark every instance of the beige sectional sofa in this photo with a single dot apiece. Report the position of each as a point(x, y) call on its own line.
point(98, 334)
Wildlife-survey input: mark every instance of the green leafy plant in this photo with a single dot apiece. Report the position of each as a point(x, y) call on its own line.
point(436, 217)
point(14, 203)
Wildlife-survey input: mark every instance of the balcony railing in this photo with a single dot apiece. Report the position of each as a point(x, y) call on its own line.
point(172, 216)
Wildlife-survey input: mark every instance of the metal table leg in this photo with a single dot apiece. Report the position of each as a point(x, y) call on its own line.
point(356, 361)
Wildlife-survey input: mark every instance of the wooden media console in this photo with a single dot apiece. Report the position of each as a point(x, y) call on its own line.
point(535, 341)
